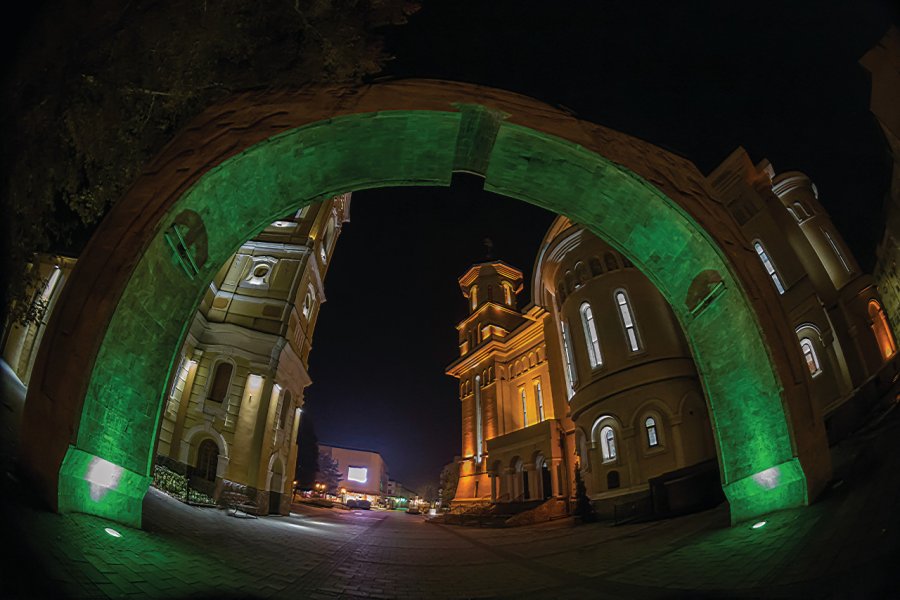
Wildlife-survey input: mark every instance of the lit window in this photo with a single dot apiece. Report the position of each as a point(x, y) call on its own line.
point(507, 293)
point(567, 350)
point(307, 304)
point(809, 353)
point(608, 443)
point(524, 407)
point(627, 321)
point(837, 251)
point(590, 335)
point(770, 268)
point(473, 294)
point(650, 425)
point(540, 399)
point(882, 330)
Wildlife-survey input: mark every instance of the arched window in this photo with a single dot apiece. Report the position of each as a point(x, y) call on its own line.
point(308, 303)
point(650, 426)
point(809, 353)
point(882, 330)
point(207, 460)
point(473, 294)
point(539, 398)
point(590, 335)
point(627, 321)
point(608, 444)
point(524, 406)
point(567, 350)
point(507, 293)
point(218, 391)
point(611, 264)
point(770, 268)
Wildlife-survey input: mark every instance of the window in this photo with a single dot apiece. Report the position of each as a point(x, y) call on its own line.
point(809, 353)
point(837, 251)
point(218, 391)
point(650, 426)
point(539, 396)
point(882, 330)
point(524, 406)
point(590, 335)
point(567, 350)
point(473, 294)
point(207, 460)
point(770, 268)
point(285, 408)
point(507, 293)
point(608, 444)
point(308, 304)
point(627, 321)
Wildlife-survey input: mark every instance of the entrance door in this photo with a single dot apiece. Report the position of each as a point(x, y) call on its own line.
point(546, 484)
point(274, 502)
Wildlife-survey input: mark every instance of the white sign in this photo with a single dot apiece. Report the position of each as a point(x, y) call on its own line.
point(357, 474)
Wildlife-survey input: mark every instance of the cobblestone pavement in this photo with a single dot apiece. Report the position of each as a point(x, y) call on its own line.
point(846, 545)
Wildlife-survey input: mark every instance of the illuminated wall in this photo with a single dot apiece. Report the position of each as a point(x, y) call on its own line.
point(758, 446)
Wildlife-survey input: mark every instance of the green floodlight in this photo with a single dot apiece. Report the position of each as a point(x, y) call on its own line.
point(113, 532)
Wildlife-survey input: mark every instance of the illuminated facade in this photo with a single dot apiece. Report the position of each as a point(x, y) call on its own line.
point(597, 371)
point(833, 306)
point(233, 409)
point(363, 472)
point(22, 340)
point(883, 63)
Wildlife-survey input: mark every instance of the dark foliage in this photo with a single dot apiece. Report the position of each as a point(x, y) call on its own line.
point(97, 88)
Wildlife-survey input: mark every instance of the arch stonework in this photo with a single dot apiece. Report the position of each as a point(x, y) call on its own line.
point(93, 407)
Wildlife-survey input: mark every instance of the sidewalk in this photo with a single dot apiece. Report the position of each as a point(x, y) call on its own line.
point(845, 546)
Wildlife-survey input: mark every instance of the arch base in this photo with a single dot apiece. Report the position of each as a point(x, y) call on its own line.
point(776, 488)
point(90, 484)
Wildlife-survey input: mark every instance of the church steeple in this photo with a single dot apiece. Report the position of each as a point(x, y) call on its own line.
point(491, 288)
point(493, 281)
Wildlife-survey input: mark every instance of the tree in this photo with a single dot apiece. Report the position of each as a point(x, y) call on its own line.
point(449, 480)
point(329, 473)
point(429, 493)
point(96, 89)
point(307, 454)
point(584, 510)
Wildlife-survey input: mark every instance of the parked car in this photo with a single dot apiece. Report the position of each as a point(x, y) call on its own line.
point(363, 504)
point(351, 503)
point(413, 510)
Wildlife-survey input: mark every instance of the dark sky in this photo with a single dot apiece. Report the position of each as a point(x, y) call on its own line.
point(780, 79)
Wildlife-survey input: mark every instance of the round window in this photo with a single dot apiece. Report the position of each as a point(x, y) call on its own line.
point(261, 270)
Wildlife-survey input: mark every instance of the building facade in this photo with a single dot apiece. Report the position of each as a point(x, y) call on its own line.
point(233, 408)
point(596, 372)
point(364, 474)
point(883, 64)
point(23, 339)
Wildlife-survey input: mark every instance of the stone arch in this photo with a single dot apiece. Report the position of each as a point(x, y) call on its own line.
point(276, 465)
point(244, 163)
point(191, 440)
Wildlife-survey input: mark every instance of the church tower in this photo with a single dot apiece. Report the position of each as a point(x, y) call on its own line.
point(491, 290)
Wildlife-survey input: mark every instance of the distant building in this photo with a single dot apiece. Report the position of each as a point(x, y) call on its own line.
point(364, 474)
point(596, 371)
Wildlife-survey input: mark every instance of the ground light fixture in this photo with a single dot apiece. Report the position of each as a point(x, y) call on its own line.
point(758, 525)
point(113, 532)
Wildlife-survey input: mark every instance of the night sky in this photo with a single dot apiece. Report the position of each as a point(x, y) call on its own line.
point(700, 79)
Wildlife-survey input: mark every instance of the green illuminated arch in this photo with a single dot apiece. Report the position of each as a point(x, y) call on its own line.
point(106, 465)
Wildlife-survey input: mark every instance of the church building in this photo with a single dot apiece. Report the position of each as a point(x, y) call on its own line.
point(595, 373)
